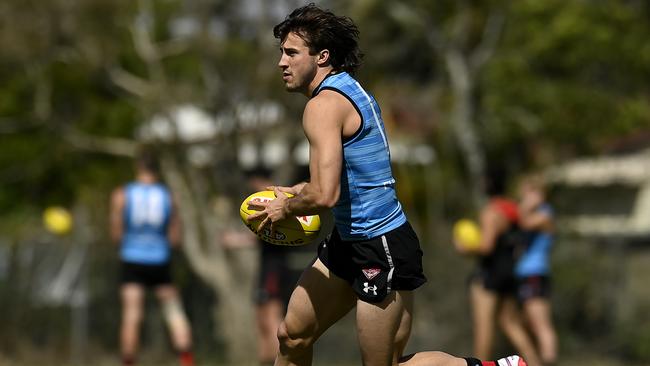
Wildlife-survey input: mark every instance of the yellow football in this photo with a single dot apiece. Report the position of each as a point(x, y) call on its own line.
point(292, 231)
point(467, 233)
point(57, 220)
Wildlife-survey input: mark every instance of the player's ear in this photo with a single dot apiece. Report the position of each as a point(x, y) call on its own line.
point(323, 57)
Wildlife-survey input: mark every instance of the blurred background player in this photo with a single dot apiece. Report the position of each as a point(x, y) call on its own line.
point(144, 223)
point(277, 278)
point(493, 285)
point(533, 269)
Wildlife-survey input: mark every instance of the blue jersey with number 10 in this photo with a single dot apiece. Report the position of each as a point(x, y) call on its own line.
point(368, 205)
point(146, 218)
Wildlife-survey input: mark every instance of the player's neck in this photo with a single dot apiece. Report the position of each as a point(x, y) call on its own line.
point(321, 74)
point(146, 178)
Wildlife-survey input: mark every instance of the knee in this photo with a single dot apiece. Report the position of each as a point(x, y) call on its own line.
point(131, 316)
point(508, 325)
point(174, 313)
point(291, 341)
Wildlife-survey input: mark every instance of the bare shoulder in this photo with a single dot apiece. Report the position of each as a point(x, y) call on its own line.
point(329, 102)
point(330, 109)
point(117, 196)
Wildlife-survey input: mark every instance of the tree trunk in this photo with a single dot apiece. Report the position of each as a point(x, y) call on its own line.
point(462, 116)
point(230, 273)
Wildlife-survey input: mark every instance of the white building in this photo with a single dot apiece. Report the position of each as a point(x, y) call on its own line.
point(604, 196)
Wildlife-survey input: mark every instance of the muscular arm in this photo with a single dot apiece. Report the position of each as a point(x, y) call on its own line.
point(324, 121)
point(116, 219)
point(323, 124)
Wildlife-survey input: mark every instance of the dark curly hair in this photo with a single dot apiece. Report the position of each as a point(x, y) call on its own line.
point(322, 29)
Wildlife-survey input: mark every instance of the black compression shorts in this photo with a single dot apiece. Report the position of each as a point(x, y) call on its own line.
point(376, 266)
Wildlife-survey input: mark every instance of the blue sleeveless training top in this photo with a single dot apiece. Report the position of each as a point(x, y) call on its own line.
point(146, 217)
point(535, 260)
point(368, 206)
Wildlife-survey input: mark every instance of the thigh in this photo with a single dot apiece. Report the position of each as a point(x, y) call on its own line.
point(484, 304)
point(404, 330)
point(538, 311)
point(377, 327)
point(166, 292)
point(318, 301)
point(132, 296)
point(509, 311)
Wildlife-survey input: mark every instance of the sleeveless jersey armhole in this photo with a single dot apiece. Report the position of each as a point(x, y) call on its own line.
point(358, 131)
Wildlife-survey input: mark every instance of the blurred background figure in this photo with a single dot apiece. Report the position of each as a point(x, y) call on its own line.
point(277, 278)
point(533, 268)
point(492, 285)
point(145, 224)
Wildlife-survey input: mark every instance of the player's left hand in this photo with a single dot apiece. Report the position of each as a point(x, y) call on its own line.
point(269, 212)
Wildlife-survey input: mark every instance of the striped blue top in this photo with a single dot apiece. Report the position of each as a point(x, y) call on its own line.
point(368, 206)
point(146, 219)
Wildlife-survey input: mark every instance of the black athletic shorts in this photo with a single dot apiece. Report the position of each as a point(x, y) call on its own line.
point(501, 283)
point(533, 286)
point(146, 274)
point(496, 271)
point(376, 266)
point(276, 280)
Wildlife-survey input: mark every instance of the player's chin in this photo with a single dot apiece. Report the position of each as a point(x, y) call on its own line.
point(291, 87)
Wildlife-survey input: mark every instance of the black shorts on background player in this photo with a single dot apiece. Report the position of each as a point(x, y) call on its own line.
point(276, 279)
point(533, 286)
point(376, 266)
point(496, 271)
point(145, 274)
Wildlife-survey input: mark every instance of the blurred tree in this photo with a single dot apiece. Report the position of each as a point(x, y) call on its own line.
point(84, 80)
point(527, 82)
point(568, 77)
point(460, 36)
point(551, 80)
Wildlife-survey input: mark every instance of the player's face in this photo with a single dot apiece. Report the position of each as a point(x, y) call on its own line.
point(531, 193)
point(297, 65)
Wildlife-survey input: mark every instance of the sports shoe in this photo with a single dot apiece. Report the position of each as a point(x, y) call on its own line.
point(511, 361)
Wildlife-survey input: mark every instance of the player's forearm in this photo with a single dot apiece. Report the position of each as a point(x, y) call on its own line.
point(298, 187)
point(309, 201)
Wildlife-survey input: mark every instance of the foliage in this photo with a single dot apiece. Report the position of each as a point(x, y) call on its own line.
point(565, 78)
point(568, 76)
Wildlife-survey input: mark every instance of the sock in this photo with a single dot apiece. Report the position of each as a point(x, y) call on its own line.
point(476, 362)
point(128, 360)
point(186, 358)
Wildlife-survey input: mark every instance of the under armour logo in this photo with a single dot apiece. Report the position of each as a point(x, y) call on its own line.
point(367, 288)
